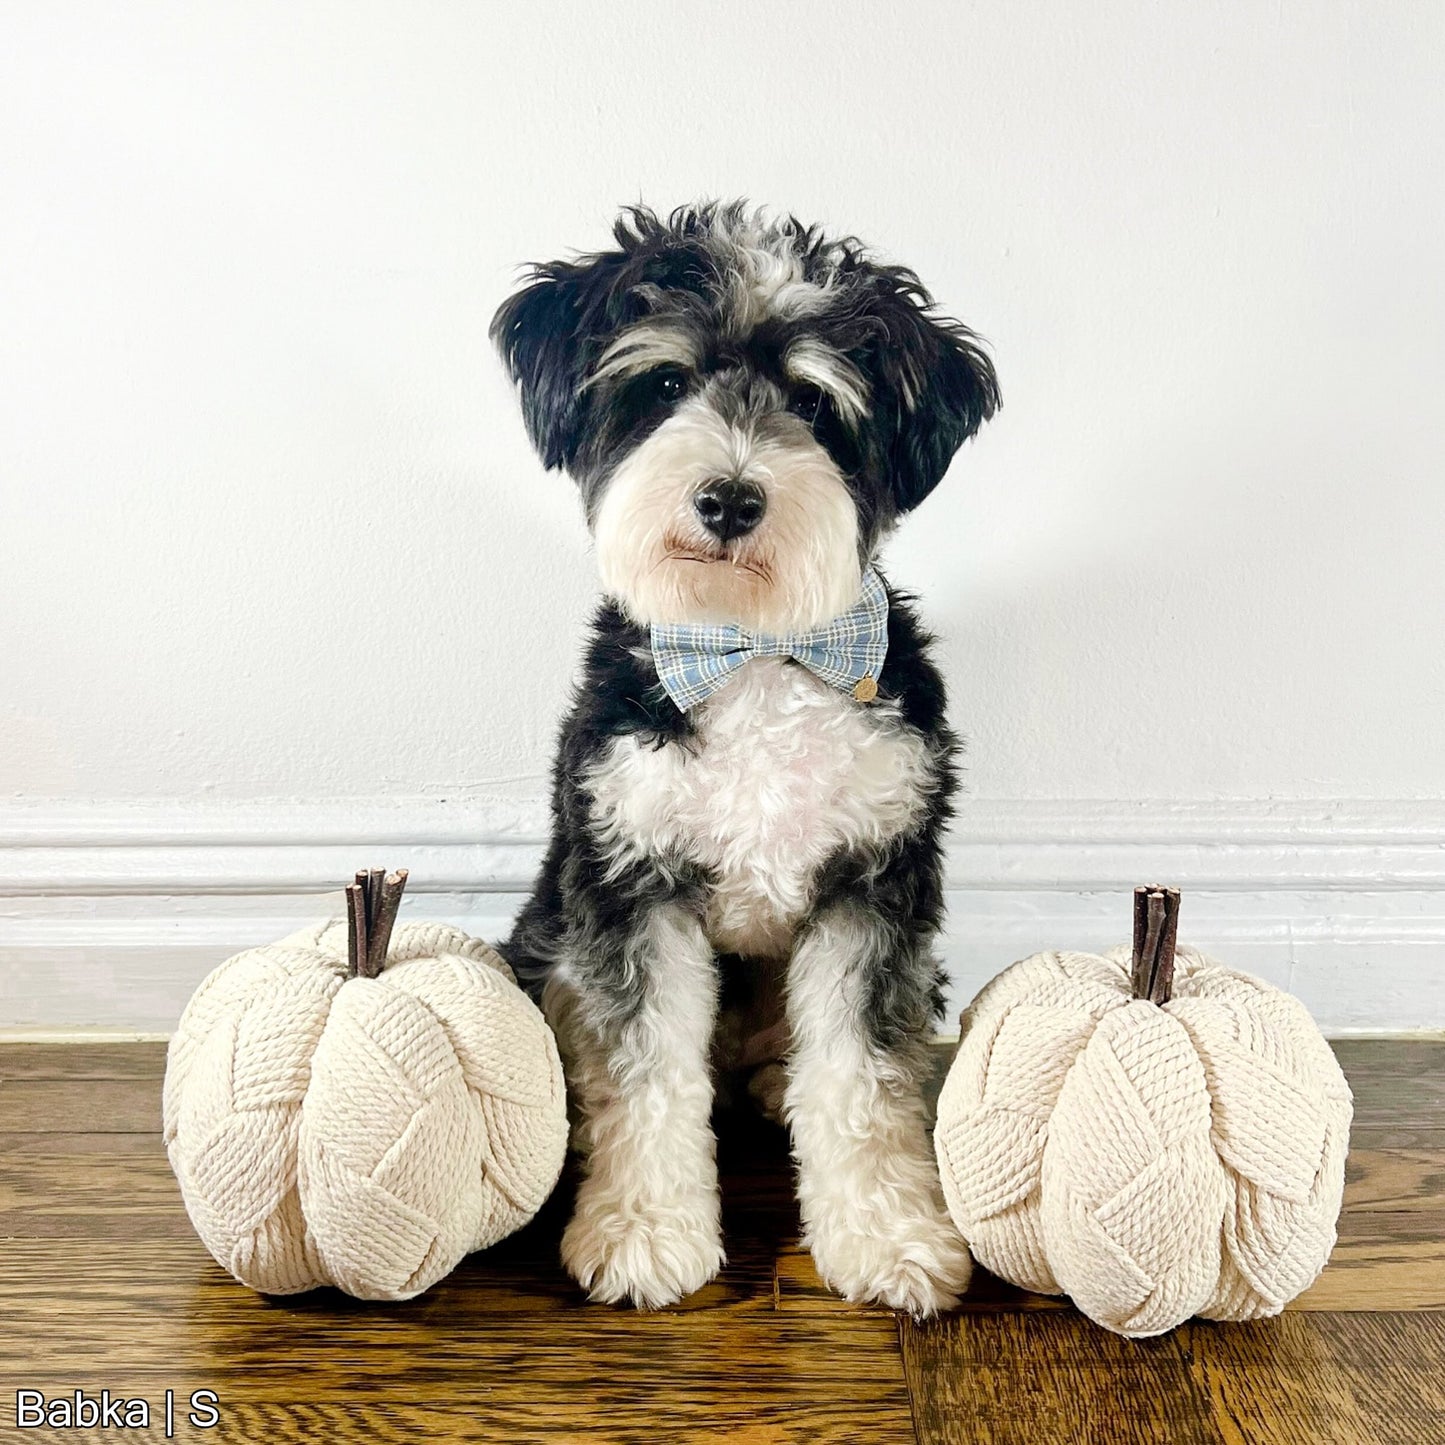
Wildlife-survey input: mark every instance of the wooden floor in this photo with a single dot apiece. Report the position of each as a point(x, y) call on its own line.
point(104, 1286)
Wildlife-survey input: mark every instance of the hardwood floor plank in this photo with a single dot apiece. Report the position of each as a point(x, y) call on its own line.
point(1274, 1382)
point(1305, 1379)
point(1390, 1180)
point(92, 1106)
point(1011, 1378)
point(1394, 1082)
point(1395, 1366)
point(1394, 1136)
point(82, 1061)
point(1383, 1260)
point(1371, 1060)
point(73, 1146)
point(91, 1196)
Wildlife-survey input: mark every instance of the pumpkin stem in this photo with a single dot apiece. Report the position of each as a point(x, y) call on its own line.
point(1156, 925)
point(371, 906)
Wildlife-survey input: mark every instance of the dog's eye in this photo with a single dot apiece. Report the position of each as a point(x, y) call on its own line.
point(806, 402)
point(669, 383)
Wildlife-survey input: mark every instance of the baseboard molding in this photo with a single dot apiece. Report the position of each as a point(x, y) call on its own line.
point(109, 916)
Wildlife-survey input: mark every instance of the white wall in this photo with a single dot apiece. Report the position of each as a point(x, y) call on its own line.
point(271, 531)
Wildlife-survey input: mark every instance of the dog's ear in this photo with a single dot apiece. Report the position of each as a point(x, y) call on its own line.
point(551, 332)
point(540, 333)
point(934, 379)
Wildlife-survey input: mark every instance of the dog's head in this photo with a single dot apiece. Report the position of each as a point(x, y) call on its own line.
point(747, 406)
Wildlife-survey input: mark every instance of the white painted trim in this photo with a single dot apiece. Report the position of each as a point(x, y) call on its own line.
point(494, 845)
point(109, 915)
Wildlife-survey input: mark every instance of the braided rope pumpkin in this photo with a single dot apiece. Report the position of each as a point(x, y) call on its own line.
point(1155, 1137)
point(340, 1109)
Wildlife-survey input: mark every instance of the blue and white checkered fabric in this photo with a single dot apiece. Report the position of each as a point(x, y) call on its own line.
point(694, 660)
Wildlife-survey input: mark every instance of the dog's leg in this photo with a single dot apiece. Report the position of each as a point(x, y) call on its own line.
point(861, 992)
point(647, 1222)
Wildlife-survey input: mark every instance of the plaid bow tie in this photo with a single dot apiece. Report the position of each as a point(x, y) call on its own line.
point(694, 660)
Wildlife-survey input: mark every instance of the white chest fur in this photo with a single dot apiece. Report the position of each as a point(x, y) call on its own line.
point(783, 771)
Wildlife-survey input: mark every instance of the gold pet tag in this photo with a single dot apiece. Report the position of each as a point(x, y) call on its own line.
point(865, 689)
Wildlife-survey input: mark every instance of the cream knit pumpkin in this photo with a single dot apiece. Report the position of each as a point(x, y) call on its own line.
point(362, 1132)
point(1152, 1162)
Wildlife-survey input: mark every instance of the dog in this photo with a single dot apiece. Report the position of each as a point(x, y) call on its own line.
point(757, 763)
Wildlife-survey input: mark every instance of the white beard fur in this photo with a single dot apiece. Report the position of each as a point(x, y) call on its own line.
point(797, 570)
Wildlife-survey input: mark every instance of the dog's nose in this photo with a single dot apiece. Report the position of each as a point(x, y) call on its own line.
point(729, 508)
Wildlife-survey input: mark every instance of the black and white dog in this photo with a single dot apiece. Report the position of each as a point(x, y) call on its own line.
point(748, 408)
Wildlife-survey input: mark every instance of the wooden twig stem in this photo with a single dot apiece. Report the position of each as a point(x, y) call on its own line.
point(391, 887)
point(374, 878)
point(371, 907)
point(1161, 987)
point(1156, 927)
point(355, 930)
point(1140, 976)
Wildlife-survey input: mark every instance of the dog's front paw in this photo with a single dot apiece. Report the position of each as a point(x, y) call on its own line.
point(646, 1251)
point(917, 1263)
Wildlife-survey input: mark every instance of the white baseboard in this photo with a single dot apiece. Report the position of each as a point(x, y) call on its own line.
point(109, 917)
